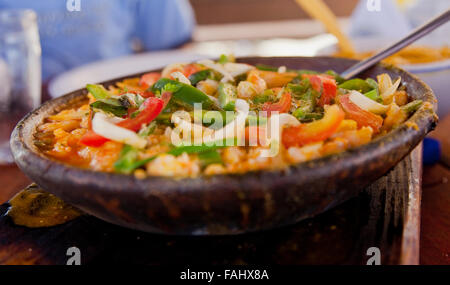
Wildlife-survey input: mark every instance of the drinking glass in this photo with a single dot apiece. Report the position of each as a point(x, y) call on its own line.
point(20, 72)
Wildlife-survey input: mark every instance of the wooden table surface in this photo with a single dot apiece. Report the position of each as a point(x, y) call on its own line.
point(435, 223)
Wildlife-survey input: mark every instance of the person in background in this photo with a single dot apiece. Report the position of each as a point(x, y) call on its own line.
point(76, 32)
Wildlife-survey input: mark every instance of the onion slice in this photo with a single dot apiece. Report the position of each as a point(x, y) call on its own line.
point(102, 126)
point(180, 77)
point(236, 69)
point(387, 89)
point(367, 104)
point(219, 68)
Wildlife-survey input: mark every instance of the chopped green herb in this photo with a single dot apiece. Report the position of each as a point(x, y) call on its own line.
point(267, 96)
point(297, 90)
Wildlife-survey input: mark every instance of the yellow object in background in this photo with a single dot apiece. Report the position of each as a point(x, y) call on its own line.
point(403, 4)
point(320, 11)
point(408, 55)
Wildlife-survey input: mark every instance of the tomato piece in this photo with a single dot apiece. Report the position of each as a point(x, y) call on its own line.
point(282, 106)
point(362, 117)
point(152, 107)
point(147, 94)
point(149, 79)
point(325, 85)
point(91, 138)
point(329, 91)
point(316, 131)
point(315, 81)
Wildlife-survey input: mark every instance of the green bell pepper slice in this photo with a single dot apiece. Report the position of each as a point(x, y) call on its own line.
point(98, 91)
point(373, 94)
point(356, 84)
point(411, 107)
point(185, 95)
point(118, 111)
point(200, 76)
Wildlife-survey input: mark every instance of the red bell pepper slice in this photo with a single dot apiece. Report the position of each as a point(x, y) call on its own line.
point(316, 131)
point(282, 106)
point(152, 107)
point(325, 85)
point(362, 117)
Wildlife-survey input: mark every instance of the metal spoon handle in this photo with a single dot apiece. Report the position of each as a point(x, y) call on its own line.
point(413, 36)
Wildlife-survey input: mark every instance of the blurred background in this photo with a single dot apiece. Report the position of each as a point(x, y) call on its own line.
point(232, 11)
point(275, 28)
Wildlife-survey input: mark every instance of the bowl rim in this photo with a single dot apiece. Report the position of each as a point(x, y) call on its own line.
point(424, 118)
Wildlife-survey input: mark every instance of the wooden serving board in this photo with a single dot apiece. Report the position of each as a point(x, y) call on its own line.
point(386, 215)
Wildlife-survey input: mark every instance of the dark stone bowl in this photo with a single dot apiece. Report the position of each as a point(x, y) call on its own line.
point(226, 204)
